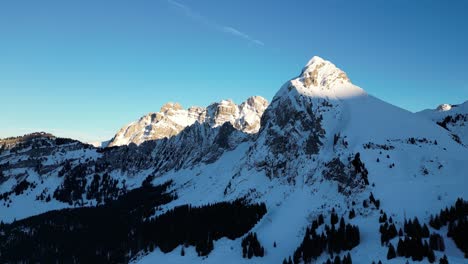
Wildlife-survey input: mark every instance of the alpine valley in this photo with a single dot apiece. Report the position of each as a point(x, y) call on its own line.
point(324, 173)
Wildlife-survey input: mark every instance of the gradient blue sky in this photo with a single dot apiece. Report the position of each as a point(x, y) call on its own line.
point(83, 69)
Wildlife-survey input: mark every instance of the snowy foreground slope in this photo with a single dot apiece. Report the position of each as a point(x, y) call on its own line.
point(323, 144)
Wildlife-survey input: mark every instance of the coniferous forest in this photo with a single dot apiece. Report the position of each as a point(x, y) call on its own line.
point(120, 229)
point(457, 220)
point(334, 239)
point(251, 246)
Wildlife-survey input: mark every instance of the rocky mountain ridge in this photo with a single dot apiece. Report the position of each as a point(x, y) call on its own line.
point(324, 149)
point(172, 119)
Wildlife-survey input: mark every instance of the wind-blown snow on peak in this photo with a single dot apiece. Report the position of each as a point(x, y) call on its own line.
point(173, 118)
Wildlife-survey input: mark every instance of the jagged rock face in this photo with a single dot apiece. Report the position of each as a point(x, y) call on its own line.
point(287, 133)
point(291, 127)
point(169, 121)
point(172, 119)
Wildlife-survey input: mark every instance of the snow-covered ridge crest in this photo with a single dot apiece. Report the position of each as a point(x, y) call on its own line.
point(444, 107)
point(173, 118)
point(452, 117)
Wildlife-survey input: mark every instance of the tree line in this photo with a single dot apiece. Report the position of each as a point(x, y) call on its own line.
point(119, 230)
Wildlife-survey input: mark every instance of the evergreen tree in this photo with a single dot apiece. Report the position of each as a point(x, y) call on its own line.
point(425, 231)
point(321, 220)
point(431, 256)
point(352, 214)
point(401, 250)
point(391, 254)
point(333, 218)
point(347, 259)
point(337, 260)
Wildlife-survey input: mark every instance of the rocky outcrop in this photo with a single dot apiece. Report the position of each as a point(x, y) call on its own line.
point(172, 119)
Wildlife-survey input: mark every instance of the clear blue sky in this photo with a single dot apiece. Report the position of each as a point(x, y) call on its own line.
point(85, 68)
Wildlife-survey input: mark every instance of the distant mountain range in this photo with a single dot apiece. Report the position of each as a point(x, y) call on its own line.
point(323, 173)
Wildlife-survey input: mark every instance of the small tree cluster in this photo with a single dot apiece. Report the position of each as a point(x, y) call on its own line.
point(413, 245)
point(459, 211)
point(458, 231)
point(346, 260)
point(443, 260)
point(436, 242)
point(387, 228)
point(251, 246)
point(457, 219)
point(333, 240)
point(414, 229)
point(387, 232)
point(19, 189)
point(383, 217)
point(415, 249)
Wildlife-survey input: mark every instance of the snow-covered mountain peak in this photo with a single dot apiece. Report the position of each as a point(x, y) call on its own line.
point(444, 107)
point(320, 72)
point(321, 78)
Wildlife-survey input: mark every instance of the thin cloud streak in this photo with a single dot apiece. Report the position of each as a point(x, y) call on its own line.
point(222, 28)
point(240, 34)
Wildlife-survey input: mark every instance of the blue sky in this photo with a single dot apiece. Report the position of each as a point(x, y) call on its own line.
point(83, 69)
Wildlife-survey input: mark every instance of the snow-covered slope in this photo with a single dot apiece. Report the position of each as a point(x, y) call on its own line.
point(323, 144)
point(172, 119)
point(300, 165)
point(454, 118)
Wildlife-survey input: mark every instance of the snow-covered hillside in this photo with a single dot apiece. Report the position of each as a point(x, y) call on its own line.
point(324, 146)
point(172, 119)
point(454, 118)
